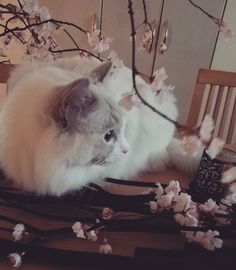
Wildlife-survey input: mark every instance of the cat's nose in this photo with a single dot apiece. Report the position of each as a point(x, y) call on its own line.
point(125, 151)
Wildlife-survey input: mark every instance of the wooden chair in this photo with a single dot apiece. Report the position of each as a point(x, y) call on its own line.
point(5, 70)
point(215, 94)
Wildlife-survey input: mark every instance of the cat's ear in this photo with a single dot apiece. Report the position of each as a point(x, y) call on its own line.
point(76, 102)
point(99, 73)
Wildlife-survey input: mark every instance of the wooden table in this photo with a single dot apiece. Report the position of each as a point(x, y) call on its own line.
point(123, 243)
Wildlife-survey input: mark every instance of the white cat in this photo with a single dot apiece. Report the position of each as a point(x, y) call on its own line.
point(62, 126)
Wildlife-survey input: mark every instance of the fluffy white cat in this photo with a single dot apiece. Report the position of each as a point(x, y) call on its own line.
point(62, 126)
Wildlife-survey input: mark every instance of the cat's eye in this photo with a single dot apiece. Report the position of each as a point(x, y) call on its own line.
point(109, 135)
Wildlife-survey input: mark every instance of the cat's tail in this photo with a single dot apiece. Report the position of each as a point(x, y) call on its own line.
point(183, 161)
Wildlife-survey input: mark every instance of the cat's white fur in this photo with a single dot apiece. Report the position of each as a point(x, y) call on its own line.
point(34, 158)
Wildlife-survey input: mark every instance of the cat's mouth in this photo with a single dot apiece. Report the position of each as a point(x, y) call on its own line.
point(104, 161)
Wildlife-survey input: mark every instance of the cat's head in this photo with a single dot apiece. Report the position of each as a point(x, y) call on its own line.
point(92, 120)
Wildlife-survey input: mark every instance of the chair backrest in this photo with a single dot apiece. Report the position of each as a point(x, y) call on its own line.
point(5, 70)
point(215, 94)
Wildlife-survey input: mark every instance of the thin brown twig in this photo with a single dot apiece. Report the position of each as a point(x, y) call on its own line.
point(135, 72)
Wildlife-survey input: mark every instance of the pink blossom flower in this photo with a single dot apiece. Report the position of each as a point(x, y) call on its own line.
point(92, 236)
point(97, 43)
point(209, 206)
point(16, 259)
point(206, 129)
point(215, 147)
point(180, 218)
point(159, 190)
point(232, 187)
point(117, 63)
point(44, 14)
point(182, 202)
point(231, 198)
point(153, 206)
point(162, 47)
point(163, 94)
point(159, 77)
point(30, 6)
point(229, 176)
point(224, 28)
point(78, 229)
point(105, 248)
point(18, 231)
point(186, 220)
point(189, 235)
point(135, 100)
point(190, 145)
point(129, 100)
point(147, 39)
point(165, 200)
point(173, 186)
point(107, 213)
point(191, 221)
point(208, 239)
point(93, 38)
point(193, 210)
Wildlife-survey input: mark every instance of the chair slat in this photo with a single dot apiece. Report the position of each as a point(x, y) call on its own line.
point(203, 104)
point(195, 106)
point(219, 108)
point(215, 94)
point(232, 130)
point(228, 113)
point(213, 99)
point(5, 70)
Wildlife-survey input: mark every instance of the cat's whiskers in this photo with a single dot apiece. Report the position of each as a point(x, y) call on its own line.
point(107, 160)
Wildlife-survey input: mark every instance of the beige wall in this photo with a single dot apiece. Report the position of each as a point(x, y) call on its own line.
point(225, 53)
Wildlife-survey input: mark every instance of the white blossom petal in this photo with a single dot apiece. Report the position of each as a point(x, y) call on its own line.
point(165, 200)
point(153, 206)
point(173, 186)
point(182, 202)
point(206, 129)
point(92, 236)
point(190, 145)
point(229, 175)
point(18, 231)
point(159, 190)
point(105, 248)
point(215, 147)
point(209, 206)
point(15, 259)
point(180, 219)
point(78, 229)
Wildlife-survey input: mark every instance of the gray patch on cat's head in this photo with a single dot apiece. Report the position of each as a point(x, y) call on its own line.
point(77, 101)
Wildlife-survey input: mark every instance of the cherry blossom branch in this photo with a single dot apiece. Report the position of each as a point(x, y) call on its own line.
point(35, 26)
point(136, 72)
point(222, 26)
point(201, 9)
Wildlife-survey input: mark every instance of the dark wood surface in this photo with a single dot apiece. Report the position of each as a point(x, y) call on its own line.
point(123, 243)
